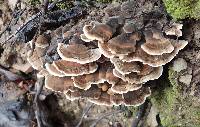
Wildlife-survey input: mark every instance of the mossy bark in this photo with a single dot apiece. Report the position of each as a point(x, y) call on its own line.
point(175, 109)
point(181, 9)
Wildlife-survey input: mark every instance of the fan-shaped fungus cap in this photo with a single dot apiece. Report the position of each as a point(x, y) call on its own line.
point(103, 47)
point(42, 73)
point(84, 38)
point(137, 78)
point(85, 81)
point(35, 60)
point(78, 53)
point(42, 41)
point(137, 97)
point(53, 70)
point(155, 44)
point(123, 87)
point(59, 84)
point(156, 60)
point(92, 93)
point(104, 73)
point(129, 28)
point(125, 67)
point(123, 44)
point(175, 29)
point(116, 99)
point(98, 31)
point(74, 69)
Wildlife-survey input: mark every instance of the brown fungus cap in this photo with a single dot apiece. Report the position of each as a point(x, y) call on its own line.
point(156, 44)
point(74, 69)
point(137, 78)
point(125, 67)
point(85, 81)
point(98, 31)
point(84, 38)
point(35, 60)
point(59, 84)
point(42, 41)
point(137, 97)
point(116, 99)
point(104, 73)
point(129, 28)
point(53, 70)
point(175, 29)
point(42, 73)
point(123, 44)
point(123, 87)
point(103, 48)
point(156, 60)
point(78, 53)
point(92, 93)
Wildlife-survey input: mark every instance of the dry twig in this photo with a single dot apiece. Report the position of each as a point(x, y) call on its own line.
point(39, 86)
point(84, 114)
point(143, 111)
point(105, 115)
point(9, 75)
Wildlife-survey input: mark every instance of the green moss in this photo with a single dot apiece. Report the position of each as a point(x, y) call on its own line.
point(165, 97)
point(181, 9)
point(34, 2)
point(64, 5)
point(104, 1)
point(108, 1)
point(175, 109)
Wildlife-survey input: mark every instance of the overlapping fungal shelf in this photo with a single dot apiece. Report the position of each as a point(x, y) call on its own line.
point(108, 63)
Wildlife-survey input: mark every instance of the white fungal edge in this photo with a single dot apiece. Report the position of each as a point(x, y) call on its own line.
point(145, 97)
point(175, 52)
point(84, 38)
point(151, 76)
point(47, 66)
point(117, 67)
point(89, 36)
point(94, 53)
point(32, 63)
point(88, 84)
point(100, 103)
point(104, 52)
point(45, 84)
point(130, 88)
point(66, 74)
point(156, 52)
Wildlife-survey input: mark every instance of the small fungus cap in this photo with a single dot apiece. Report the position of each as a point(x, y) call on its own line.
point(175, 29)
point(42, 41)
point(125, 67)
point(156, 45)
point(98, 31)
point(34, 59)
point(74, 69)
point(123, 44)
point(53, 70)
point(78, 53)
point(59, 84)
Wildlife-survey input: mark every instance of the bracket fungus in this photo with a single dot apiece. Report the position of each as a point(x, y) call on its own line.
point(108, 63)
point(78, 53)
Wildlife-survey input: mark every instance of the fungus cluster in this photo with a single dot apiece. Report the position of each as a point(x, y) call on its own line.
point(108, 63)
